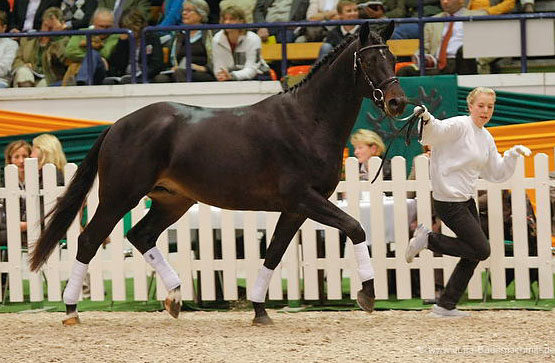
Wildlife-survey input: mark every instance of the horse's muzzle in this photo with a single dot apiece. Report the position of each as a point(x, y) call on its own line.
point(395, 105)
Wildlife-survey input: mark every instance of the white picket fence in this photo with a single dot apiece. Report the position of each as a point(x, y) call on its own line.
point(300, 265)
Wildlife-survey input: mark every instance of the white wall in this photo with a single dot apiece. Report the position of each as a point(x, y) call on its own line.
point(109, 103)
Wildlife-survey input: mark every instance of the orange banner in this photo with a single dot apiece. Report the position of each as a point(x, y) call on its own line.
point(16, 123)
point(537, 136)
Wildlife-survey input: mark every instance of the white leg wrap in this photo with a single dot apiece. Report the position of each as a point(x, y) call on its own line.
point(75, 283)
point(261, 285)
point(168, 275)
point(365, 269)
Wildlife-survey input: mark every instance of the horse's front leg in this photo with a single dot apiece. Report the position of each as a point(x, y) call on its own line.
point(320, 209)
point(288, 224)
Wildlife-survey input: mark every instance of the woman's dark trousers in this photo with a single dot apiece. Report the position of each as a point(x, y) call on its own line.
point(470, 244)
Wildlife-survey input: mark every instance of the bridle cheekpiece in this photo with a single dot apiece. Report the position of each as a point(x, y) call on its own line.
point(377, 92)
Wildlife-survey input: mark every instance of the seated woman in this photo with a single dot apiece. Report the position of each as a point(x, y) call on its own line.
point(15, 153)
point(194, 12)
point(237, 51)
point(367, 144)
point(48, 149)
point(119, 70)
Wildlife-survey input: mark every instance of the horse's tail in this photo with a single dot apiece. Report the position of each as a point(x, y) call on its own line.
point(67, 206)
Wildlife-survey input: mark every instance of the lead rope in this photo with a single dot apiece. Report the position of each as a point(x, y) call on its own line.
point(411, 121)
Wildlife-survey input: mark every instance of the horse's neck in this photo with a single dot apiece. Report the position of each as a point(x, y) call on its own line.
point(332, 94)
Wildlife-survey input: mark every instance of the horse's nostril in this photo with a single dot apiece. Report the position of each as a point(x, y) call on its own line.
point(394, 103)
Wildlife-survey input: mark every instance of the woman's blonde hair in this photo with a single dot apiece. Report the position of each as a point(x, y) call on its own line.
point(12, 147)
point(479, 90)
point(369, 138)
point(50, 151)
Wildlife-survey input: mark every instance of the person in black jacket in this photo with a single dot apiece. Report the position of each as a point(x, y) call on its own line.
point(346, 10)
point(20, 13)
point(119, 70)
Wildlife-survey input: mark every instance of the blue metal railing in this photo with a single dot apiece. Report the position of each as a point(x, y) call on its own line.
point(89, 33)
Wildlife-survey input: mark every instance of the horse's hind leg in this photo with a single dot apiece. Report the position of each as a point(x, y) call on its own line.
point(288, 224)
point(165, 210)
point(104, 220)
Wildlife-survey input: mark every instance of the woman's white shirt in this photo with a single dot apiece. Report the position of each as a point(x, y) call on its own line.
point(462, 152)
point(245, 62)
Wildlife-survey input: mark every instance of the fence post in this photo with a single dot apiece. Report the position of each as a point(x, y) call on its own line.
point(13, 218)
point(543, 218)
point(32, 201)
point(50, 194)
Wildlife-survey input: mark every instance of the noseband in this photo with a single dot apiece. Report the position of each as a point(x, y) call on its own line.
point(377, 92)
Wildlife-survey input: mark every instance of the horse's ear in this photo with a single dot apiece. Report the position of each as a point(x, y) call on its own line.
point(387, 31)
point(364, 32)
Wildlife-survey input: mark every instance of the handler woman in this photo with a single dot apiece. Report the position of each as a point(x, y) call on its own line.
point(463, 151)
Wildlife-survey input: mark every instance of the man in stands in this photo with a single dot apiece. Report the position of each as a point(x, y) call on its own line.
point(269, 11)
point(346, 10)
point(443, 43)
point(41, 61)
point(27, 14)
point(102, 45)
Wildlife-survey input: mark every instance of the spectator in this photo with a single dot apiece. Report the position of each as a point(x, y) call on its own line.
point(172, 12)
point(15, 153)
point(373, 10)
point(410, 30)
point(28, 14)
point(119, 70)
point(387, 9)
point(246, 5)
point(443, 43)
point(346, 10)
point(121, 6)
point(8, 50)
point(463, 150)
point(78, 13)
point(48, 149)
point(269, 11)
point(40, 61)
point(367, 144)
point(102, 45)
point(237, 51)
point(194, 12)
point(318, 10)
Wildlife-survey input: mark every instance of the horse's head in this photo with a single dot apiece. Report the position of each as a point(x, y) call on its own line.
point(374, 68)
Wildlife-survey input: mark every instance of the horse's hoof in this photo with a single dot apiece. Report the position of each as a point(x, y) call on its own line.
point(71, 319)
point(365, 302)
point(172, 306)
point(262, 320)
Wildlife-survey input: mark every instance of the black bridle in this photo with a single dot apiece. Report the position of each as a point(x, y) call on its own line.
point(378, 95)
point(379, 91)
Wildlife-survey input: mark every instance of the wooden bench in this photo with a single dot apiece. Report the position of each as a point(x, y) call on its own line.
point(308, 51)
point(295, 51)
point(403, 47)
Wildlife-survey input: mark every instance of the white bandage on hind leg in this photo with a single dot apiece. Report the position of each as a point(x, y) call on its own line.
point(258, 294)
point(365, 269)
point(162, 267)
point(75, 283)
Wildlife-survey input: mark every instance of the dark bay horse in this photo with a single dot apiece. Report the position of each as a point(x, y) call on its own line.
point(281, 154)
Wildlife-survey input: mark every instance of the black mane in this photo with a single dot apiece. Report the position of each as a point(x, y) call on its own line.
point(375, 38)
point(327, 59)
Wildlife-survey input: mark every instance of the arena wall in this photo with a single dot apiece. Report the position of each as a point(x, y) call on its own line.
point(109, 103)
